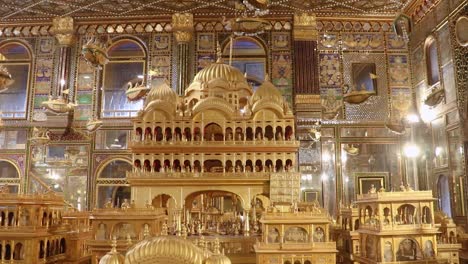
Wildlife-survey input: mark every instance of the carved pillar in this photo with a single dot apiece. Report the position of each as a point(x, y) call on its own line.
point(182, 25)
point(305, 54)
point(246, 222)
point(63, 29)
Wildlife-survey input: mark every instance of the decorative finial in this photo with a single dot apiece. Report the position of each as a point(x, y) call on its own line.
point(146, 232)
point(267, 77)
point(114, 244)
point(201, 242)
point(219, 54)
point(164, 229)
point(129, 239)
point(216, 247)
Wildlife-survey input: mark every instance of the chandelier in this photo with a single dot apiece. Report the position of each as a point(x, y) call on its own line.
point(248, 22)
point(95, 54)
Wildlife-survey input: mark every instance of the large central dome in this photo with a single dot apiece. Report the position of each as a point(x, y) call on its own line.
point(219, 70)
point(219, 81)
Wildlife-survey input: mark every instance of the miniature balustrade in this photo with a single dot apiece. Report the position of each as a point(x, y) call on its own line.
point(137, 139)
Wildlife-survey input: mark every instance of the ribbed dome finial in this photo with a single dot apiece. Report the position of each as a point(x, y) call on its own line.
point(112, 257)
point(114, 245)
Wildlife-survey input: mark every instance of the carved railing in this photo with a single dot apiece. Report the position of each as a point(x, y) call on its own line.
point(256, 142)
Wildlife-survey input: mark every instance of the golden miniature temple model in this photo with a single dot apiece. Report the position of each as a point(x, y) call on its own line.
point(395, 227)
point(233, 131)
point(37, 229)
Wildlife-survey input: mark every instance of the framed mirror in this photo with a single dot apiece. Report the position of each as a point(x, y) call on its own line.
point(364, 77)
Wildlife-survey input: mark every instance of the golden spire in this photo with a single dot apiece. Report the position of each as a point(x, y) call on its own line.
point(219, 54)
point(114, 244)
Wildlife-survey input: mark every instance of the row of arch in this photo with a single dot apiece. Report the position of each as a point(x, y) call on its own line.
point(213, 132)
point(121, 230)
point(213, 165)
point(406, 214)
point(15, 252)
point(297, 262)
point(15, 217)
point(52, 247)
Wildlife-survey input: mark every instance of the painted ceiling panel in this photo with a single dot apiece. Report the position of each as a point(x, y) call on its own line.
point(81, 9)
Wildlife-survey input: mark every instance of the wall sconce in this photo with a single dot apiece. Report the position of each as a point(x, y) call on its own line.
point(435, 97)
point(351, 150)
point(41, 136)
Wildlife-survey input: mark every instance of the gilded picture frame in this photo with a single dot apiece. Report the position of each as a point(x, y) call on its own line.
point(365, 180)
point(364, 75)
point(206, 42)
point(281, 41)
point(311, 195)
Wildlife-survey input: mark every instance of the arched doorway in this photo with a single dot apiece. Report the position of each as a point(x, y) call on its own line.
point(217, 211)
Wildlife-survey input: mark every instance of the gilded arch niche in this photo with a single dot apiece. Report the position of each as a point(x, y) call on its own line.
point(10, 176)
point(111, 185)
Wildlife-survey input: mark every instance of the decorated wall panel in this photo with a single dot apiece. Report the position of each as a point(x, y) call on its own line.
point(376, 107)
point(361, 42)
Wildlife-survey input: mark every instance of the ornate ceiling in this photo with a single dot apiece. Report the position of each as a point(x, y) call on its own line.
point(21, 10)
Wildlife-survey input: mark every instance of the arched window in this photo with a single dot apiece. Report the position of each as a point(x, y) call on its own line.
point(432, 61)
point(9, 175)
point(249, 56)
point(16, 58)
point(127, 63)
point(110, 189)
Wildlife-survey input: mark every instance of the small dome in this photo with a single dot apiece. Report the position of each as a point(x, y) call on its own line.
point(267, 91)
point(161, 92)
point(218, 259)
point(113, 257)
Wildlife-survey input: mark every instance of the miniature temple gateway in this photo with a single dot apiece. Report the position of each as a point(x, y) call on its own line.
point(293, 236)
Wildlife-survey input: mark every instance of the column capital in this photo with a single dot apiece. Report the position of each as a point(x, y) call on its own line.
point(305, 27)
point(64, 31)
point(182, 26)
